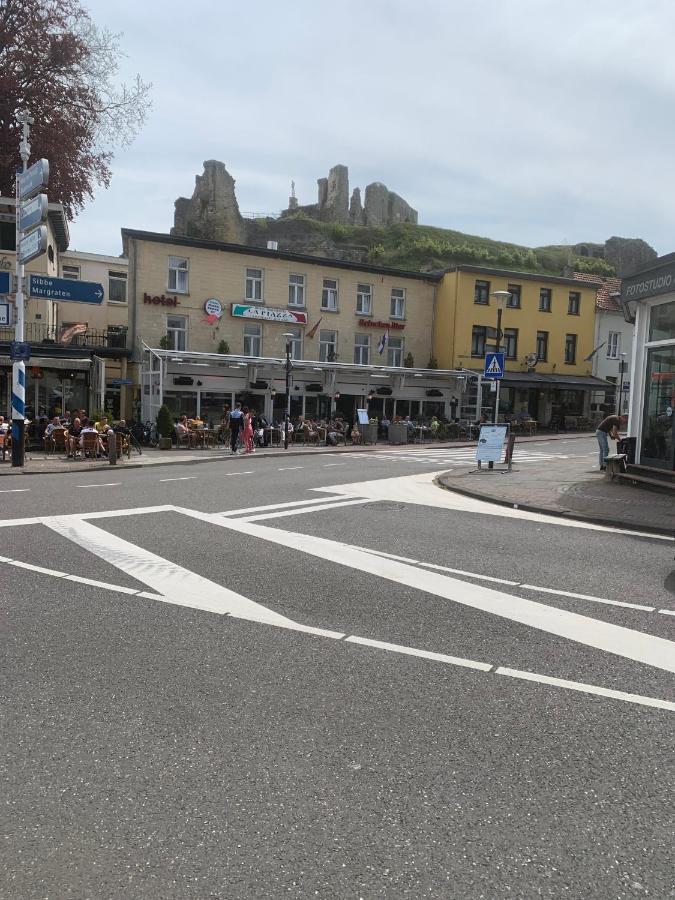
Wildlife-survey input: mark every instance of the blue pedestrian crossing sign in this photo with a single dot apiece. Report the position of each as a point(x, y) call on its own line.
point(494, 365)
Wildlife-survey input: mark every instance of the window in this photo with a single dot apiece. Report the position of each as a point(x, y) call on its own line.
point(254, 284)
point(362, 349)
point(176, 331)
point(570, 348)
point(72, 273)
point(328, 346)
point(395, 352)
point(397, 310)
point(296, 342)
point(613, 344)
point(514, 300)
point(296, 290)
point(252, 340)
point(329, 295)
point(8, 235)
point(573, 303)
point(364, 299)
point(178, 275)
point(117, 287)
point(511, 343)
point(478, 338)
point(481, 292)
point(542, 346)
point(545, 299)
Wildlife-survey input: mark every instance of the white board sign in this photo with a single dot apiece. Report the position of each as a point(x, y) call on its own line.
point(491, 443)
point(362, 416)
point(5, 314)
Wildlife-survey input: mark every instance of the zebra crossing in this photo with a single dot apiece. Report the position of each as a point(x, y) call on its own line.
point(451, 456)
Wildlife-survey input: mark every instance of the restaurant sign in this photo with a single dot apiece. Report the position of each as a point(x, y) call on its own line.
point(268, 314)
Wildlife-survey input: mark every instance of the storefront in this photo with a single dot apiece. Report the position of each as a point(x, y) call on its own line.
point(203, 384)
point(649, 297)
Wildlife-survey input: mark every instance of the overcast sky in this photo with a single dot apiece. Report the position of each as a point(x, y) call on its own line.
point(530, 121)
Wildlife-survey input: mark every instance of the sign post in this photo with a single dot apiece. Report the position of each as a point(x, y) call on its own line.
point(494, 370)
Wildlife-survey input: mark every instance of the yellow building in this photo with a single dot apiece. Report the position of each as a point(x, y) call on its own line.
point(547, 325)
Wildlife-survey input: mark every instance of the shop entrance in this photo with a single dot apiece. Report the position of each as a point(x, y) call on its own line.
point(658, 422)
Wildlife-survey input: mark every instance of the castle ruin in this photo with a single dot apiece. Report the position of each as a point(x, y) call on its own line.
point(212, 213)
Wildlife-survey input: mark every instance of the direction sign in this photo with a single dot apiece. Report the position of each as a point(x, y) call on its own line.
point(19, 351)
point(65, 289)
point(33, 212)
point(494, 365)
point(5, 283)
point(34, 244)
point(34, 179)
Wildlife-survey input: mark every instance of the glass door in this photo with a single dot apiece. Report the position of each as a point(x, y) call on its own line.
point(657, 440)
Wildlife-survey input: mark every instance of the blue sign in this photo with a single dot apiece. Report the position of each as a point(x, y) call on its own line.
point(121, 381)
point(494, 365)
point(5, 283)
point(65, 289)
point(34, 179)
point(33, 212)
point(19, 351)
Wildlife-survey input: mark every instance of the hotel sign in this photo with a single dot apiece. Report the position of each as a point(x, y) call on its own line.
point(268, 314)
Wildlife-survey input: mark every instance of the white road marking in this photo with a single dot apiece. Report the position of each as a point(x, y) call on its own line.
point(118, 588)
point(231, 474)
point(544, 590)
point(106, 484)
point(15, 491)
point(298, 512)
point(184, 478)
point(331, 465)
point(291, 503)
point(289, 468)
point(425, 654)
point(417, 562)
point(667, 612)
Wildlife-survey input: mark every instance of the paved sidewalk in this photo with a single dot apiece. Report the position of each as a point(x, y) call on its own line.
point(40, 463)
point(573, 488)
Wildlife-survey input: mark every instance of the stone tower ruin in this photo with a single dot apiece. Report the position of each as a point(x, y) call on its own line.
point(212, 213)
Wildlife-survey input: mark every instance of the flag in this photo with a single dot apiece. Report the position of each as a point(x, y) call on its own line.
point(384, 340)
point(68, 332)
point(312, 330)
point(592, 354)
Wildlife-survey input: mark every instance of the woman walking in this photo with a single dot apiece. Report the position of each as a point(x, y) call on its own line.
point(248, 431)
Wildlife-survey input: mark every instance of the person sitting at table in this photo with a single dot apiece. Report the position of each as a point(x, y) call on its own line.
point(88, 428)
point(356, 434)
point(183, 432)
point(73, 437)
point(434, 425)
point(54, 425)
point(66, 419)
point(102, 426)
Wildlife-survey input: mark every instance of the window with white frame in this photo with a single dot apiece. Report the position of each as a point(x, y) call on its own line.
point(296, 290)
point(329, 295)
point(72, 273)
point(362, 349)
point(176, 332)
point(397, 310)
point(613, 344)
point(178, 275)
point(296, 342)
point(117, 287)
point(395, 352)
point(252, 339)
point(364, 299)
point(254, 284)
point(327, 346)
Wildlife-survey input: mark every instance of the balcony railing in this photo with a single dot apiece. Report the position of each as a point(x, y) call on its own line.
point(112, 338)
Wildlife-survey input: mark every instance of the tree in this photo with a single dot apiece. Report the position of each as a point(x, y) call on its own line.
point(408, 362)
point(58, 66)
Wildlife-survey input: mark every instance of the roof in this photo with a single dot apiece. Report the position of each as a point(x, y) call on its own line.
point(511, 273)
point(57, 219)
point(553, 380)
point(605, 287)
point(223, 247)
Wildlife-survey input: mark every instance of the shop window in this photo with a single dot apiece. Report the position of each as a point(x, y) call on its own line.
point(364, 299)
point(327, 346)
point(254, 284)
point(395, 352)
point(478, 339)
point(662, 322)
point(252, 340)
point(117, 287)
point(514, 300)
point(176, 332)
point(545, 295)
point(511, 343)
point(657, 421)
point(362, 349)
point(574, 303)
point(71, 273)
point(178, 275)
point(296, 290)
point(329, 295)
point(613, 344)
point(397, 306)
point(542, 346)
point(481, 292)
point(570, 349)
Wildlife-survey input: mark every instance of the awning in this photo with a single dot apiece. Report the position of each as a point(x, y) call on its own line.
point(580, 381)
point(48, 362)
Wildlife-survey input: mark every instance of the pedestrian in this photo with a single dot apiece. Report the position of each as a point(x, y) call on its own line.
point(236, 423)
point(248, 431)
point(608, 428)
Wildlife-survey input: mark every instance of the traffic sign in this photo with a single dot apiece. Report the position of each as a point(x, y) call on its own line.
point(65, 289)
point(19, 351)
point(494, 365)
point(33, 212)
point(34, 244)
point(5, 312)
point(34, 179)
point(5, 283)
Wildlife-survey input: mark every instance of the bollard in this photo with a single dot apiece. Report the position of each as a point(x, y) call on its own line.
point(112, 448)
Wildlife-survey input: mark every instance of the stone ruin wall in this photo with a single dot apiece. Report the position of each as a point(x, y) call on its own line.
point(212, 213)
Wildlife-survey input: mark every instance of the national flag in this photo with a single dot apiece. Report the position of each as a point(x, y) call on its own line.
point(68, 332)
point(594, 351)
point(312, 330)
point(384, 340)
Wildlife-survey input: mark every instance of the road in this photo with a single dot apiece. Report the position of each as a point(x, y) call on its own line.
point(324, 676)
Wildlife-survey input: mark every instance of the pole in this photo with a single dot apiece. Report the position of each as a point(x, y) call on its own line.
point(19, 368)
point(288, 393)
point(479, 397)
point(621, 365)
point(495, 419)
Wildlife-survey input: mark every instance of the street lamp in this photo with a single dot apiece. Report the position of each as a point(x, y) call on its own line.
point(622, 367)
point(501, 298)
point(288, 335)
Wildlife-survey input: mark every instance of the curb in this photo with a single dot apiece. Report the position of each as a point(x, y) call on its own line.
point(557, 513)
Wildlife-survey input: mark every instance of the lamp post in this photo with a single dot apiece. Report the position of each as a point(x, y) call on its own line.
point(501, 297)
point(622, 367)
point(287, 415)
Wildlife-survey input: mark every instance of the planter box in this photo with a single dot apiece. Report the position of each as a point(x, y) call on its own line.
point(369, 434)
point(398, 434)
point(165, 443)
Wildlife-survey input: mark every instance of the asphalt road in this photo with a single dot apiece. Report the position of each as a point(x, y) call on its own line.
point(326, 677)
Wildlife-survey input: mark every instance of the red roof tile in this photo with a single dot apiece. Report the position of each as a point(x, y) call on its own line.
point(605, 287)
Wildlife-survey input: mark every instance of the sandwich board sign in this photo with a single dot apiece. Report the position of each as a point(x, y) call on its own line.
point(494, 365)
point(491, 443)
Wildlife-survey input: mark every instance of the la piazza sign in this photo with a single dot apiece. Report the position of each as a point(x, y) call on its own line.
point(268, 314)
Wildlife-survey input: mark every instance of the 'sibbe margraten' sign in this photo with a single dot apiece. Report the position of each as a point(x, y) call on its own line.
point(268, 314)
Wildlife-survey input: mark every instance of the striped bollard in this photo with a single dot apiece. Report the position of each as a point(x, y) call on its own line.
point(18, 412)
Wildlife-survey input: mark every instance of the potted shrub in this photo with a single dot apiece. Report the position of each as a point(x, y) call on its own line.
point(164, 428)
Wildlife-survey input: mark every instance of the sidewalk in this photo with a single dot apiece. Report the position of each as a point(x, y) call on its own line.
point(40, 463)
point(573, 488)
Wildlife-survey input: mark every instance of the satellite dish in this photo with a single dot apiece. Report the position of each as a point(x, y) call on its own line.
point(531, 360)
